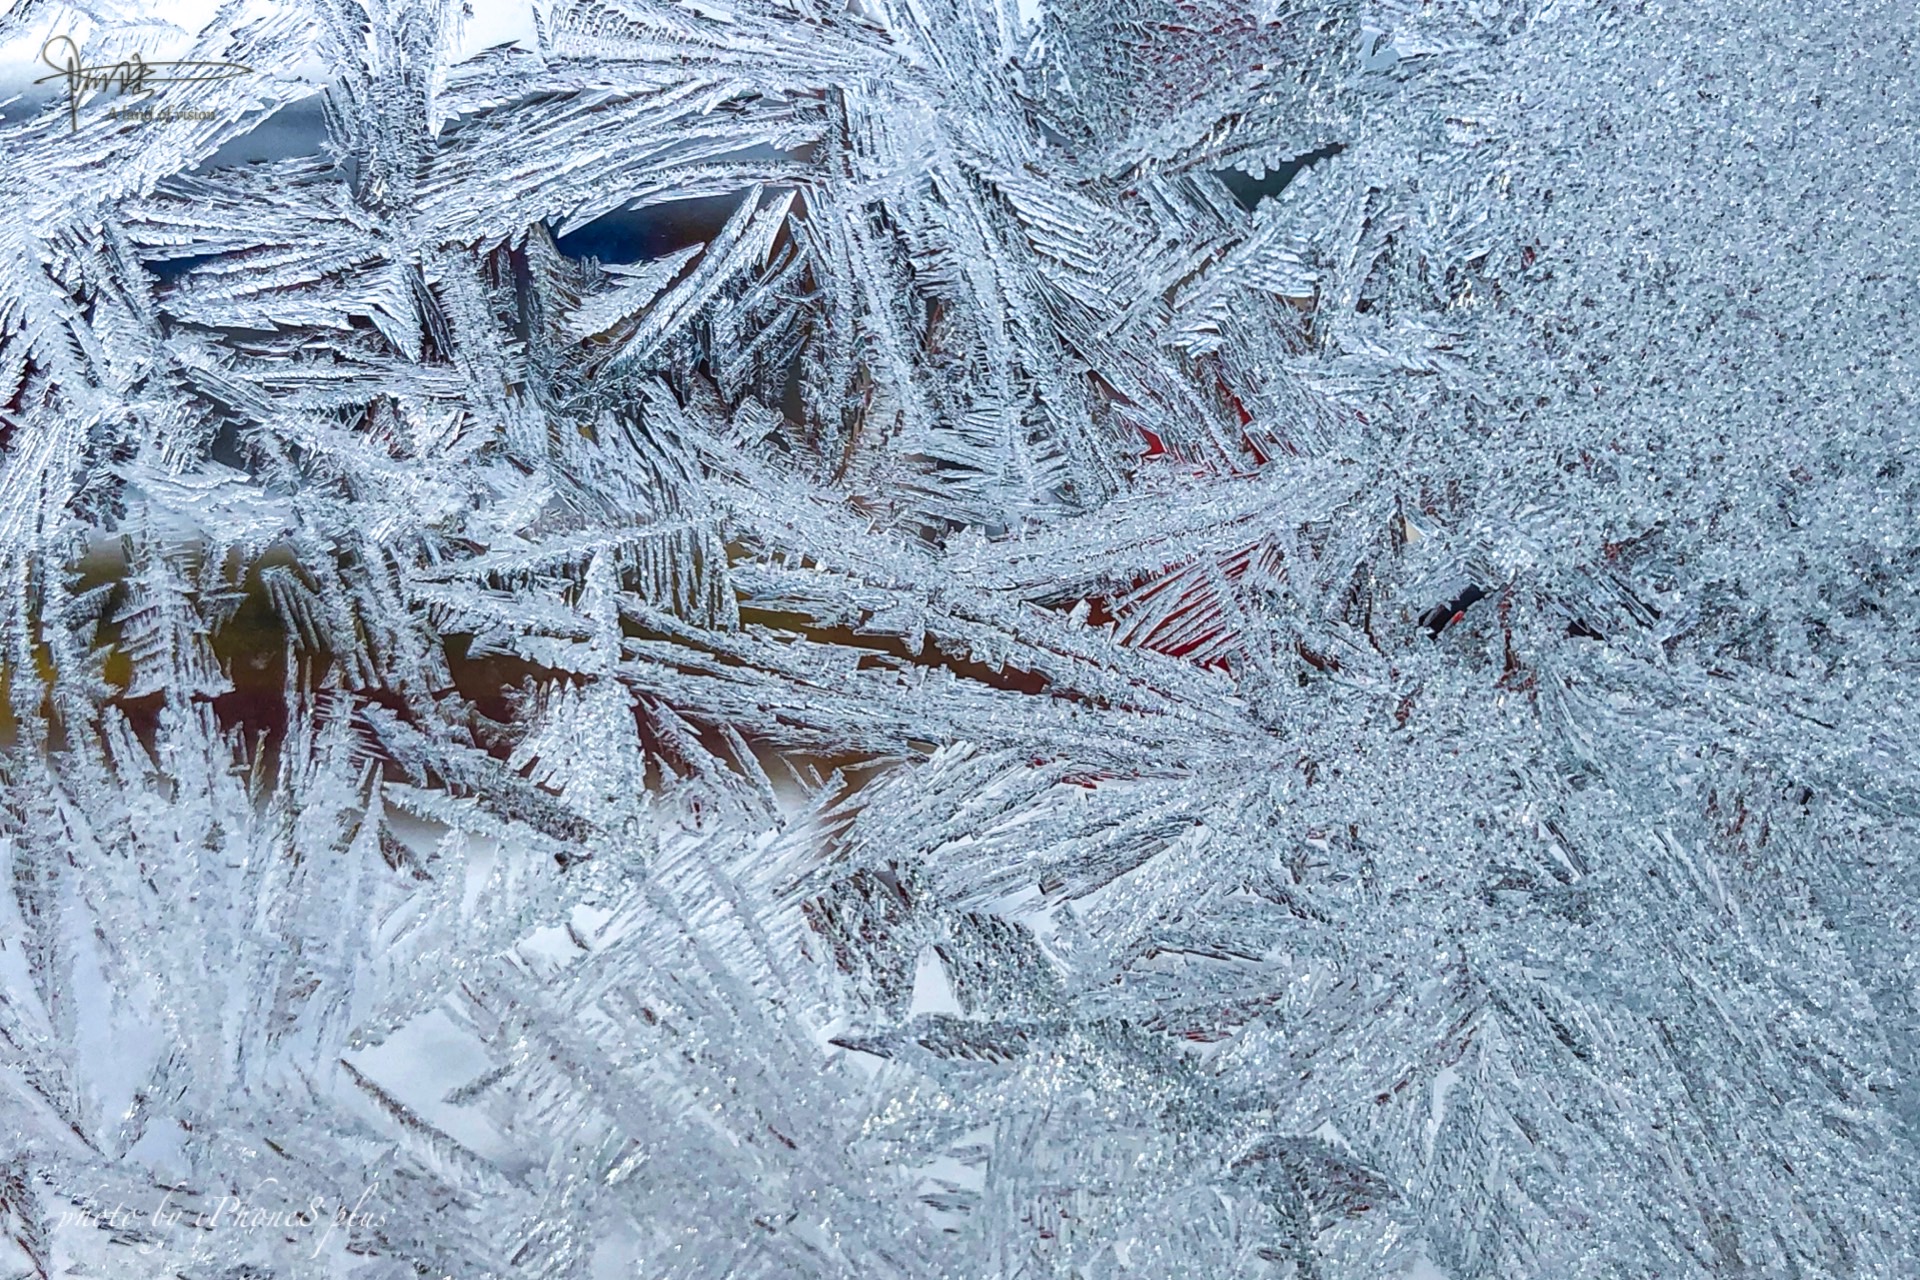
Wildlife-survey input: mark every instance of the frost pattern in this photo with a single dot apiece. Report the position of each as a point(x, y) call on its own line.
point(913, 639)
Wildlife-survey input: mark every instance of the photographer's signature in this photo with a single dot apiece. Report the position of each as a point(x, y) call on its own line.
point(136, 75)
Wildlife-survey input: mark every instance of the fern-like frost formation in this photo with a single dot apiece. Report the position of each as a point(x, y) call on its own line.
point(945, 638)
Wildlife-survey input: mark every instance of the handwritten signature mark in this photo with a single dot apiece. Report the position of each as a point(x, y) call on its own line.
point(135, 75)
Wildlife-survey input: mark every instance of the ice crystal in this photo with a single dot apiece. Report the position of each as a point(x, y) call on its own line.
point(951, 638)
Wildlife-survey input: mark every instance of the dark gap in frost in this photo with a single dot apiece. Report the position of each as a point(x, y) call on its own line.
point(252, 644)
point(1050, 135)
point(297, 129)
point(168, 270)
point(490, 680)
point(887, 650)
point(29, 101)
point(252, 647)
point(1250, 191)
point(640, 235)
point(1442, 616)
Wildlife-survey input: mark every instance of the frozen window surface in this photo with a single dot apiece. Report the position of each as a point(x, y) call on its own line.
point(791, 639)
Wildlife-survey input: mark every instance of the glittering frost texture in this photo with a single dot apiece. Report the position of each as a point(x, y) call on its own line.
point(776, 638)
